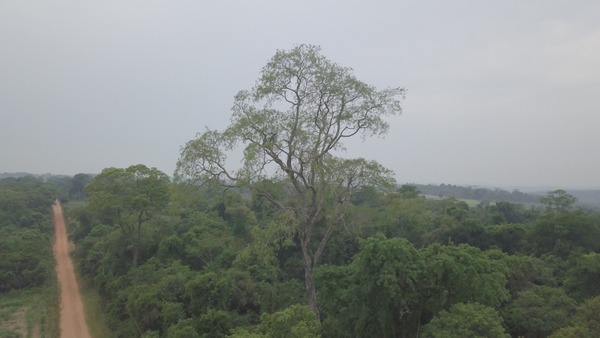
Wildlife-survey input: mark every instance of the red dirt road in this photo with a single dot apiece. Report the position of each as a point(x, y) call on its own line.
point(72, 318)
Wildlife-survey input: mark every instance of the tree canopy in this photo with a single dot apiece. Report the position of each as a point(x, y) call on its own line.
point(128, 198)
point(558, 201)
point(291, 124)
point(466, 320)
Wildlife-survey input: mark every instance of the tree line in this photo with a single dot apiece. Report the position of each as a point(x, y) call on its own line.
point(479, 194)
point(27, 231)
point(215, 263)
point(227, 264)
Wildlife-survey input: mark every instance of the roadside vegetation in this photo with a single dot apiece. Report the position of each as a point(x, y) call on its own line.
point(29, 299)
point(94, 311)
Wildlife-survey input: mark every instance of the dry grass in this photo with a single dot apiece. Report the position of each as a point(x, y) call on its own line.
point(14, 324)
point(31, 313)
point(94, 314)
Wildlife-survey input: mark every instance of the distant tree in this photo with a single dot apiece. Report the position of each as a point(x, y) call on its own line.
point(183, 329)
point(466, 320)
point(538, 311)
point(298, 114)
point(204, 240)
point(129, 198)
point(558, 201)
point(587, 316)
point(396, 216)
point(25, 258)
point(386, 293)
point(26, 194)
point(469, 232)
point(150, 298)
point(510, 238)
point(62, 185)
point(214, 324)
point(336, 287)
point(505, 212)
point(583, 279)
point(78, 183)
point(448, 269)
point(26, 230)
point(572, 332)
point(409, 191)
point(563, 233)
point(368, 196)
point(296, 321)
point(527, 271)
point(459, 210)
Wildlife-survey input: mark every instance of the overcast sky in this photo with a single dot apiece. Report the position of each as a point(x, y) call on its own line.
point(501, 93)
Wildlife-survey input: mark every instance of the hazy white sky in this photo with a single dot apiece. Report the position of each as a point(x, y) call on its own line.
point(500, 92)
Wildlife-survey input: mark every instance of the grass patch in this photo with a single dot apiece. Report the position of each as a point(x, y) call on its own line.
point(92, 301)
point(94, 314)
point(470, 203)
point(30, 313)
point(72, 205)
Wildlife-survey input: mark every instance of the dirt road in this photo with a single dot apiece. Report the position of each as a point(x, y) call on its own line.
point(72, 319)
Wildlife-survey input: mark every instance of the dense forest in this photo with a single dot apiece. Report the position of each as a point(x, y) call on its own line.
point(181, 260)
point(222, 263)
point(28, 293)
point(299, 242)
point(27, 231)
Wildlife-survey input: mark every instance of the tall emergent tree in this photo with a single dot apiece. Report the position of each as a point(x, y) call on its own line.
point(129, 198)
point(290, 123)
point(558, 201)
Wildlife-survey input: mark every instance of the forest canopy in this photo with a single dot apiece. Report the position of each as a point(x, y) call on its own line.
point(290, 124)
point(218, 263)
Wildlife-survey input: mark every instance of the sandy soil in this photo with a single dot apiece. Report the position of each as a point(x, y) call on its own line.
point(72, 318)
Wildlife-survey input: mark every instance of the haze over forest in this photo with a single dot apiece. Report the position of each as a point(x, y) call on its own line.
point(499, 93)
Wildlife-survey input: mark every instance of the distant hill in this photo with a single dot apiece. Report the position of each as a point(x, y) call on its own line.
point(476, 193)
point(588, 199)
point(24, 174)
point(14, 175)
point(585, 198)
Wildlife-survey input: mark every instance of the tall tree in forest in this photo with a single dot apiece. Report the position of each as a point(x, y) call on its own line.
point(290, 123)
point(129, 198)
point(558, 201)
point(466, 320)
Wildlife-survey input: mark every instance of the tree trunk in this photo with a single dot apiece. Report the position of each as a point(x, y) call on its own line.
point(136, 245)
point(311, 292)
point(136, 255)
point(309, 285)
